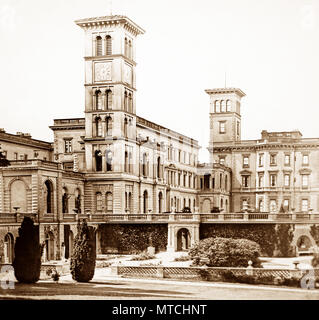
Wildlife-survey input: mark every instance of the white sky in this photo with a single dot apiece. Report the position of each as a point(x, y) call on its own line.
point(269, 49)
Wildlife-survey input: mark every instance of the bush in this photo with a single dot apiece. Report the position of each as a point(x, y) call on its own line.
point(27, 253)
point(182, 258)
point(226, 252)
point(143, 256)
point(263, 234)
point(315, 260)
point(84, 254)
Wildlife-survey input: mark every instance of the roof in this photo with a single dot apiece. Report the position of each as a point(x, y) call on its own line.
point(96, 21)
point(225, 91)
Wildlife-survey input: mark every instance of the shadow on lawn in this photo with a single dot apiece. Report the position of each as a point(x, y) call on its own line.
point(91, 289)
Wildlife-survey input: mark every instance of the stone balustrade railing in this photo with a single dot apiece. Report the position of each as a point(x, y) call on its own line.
point(299, 218)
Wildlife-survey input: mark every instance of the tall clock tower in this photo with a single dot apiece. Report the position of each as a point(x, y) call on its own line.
point(110, 109)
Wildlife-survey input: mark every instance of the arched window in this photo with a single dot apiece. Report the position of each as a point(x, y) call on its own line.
point(130, 103)
point(108, 41)
point(144, 165)
point(145, 201)
point(109, 202)
point(223, 106)
point(108, 160)
point(98, 100)
point(98, 46)
point(130, 164)
point(228, 106)
point(98, 127)
point(160, 202)
point(77, 201)
point(130, 204)
point(108, 126)
point(226, 205)
point(217, 107)
point(189, 203)
point(159, 167)
point(125, 101)
point(98, 160)
point(125, 127)
point(220, 181)
point(126, 166)
point(49, 196)
point(109, 99)
point(221, 204)
point(65, 200)
point(8, 248)
point(126, 47)
point(130, 55)
point(226, 182)
point(194, 204)
point(99, 201)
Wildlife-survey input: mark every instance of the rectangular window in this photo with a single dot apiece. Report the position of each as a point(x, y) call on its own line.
point(244, 204)
point(260, 181)
point(272, 159)
point(25, 157)
point(305, 180)
point(287, 160)
point(245, 181)
point(261, 160)
point(15, 157)
point(273, 206)
point(222, 160)
point(304, 205)
point(273, 179)
point(222, 127)
point(286, 204)
point(245, 161)
point(287, 180)
point(68, 145)
point(305, 159)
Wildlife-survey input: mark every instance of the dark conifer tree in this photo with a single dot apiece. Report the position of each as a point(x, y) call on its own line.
point(84, 254)
point(27, 253)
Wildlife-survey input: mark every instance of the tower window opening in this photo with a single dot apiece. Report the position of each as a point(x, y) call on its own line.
point(98, 46)
point(108, 40)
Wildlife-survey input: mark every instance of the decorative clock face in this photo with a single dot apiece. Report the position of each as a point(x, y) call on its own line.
point(128, 74)
point(103, 71)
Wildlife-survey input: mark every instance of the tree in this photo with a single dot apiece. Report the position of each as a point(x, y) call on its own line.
point(225, 252)
point(4, 162)
point(28, 251)
point(84, 254)
point(284, 236)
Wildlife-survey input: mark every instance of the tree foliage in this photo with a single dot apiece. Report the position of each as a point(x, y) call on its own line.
point(314, 231)
point(4, 162)
point(133, 238)
point(263, 234)
point(84, 253)
point(226, 252)
point(284, 236)
point(27, 250)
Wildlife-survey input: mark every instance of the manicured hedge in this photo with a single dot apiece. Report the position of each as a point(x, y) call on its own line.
point(225, 252)
point(263, 234)
point(131, 238)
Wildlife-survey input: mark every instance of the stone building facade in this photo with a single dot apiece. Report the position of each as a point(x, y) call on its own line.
point(115, 165)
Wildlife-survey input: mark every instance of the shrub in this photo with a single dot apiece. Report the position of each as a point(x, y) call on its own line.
point(84, 254)
point(230, 276)
point(182, 258)
point(315, 260)
point(143, 256)
point(263, 234)
point(27, 251)
point(226, 252)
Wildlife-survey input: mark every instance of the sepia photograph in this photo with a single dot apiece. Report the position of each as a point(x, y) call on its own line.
point(159, 151)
